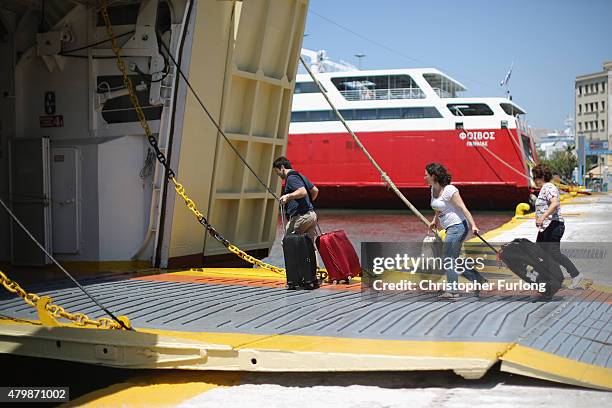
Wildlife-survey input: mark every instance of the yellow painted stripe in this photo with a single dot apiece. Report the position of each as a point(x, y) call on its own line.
point(245, 273)
point(321, 344)
point(560, 366)
point(157, 388)
point(601, 288)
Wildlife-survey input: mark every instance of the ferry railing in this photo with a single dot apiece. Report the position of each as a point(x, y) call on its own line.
point(443, 94)
point(382, 94)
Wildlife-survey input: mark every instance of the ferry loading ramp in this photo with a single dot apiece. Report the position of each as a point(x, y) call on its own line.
point(245, 320)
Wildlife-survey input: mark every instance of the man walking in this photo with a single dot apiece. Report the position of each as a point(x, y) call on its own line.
point(297, 199)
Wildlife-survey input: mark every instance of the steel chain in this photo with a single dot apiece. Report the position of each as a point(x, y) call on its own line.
point(57, 311)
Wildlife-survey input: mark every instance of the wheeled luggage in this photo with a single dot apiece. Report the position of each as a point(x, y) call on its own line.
point(339, 256)
point(531, 263)
point(300, 262)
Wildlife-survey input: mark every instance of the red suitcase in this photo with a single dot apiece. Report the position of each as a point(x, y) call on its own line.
point(339, 256)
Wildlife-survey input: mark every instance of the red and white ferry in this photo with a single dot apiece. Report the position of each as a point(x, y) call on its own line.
point(406, 118)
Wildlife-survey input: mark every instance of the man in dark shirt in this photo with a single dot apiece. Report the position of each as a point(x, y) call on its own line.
point(298, 196)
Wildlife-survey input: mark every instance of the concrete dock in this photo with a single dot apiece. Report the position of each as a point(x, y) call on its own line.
point(245, 320)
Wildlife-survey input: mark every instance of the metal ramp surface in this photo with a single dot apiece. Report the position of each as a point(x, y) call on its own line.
point(571, 345)
point(252, 322)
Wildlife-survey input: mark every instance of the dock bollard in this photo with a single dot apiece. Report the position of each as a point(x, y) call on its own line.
point(521, 209)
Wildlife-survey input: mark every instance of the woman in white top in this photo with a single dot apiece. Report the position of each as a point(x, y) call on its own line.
point(453, 216)
point(549, 222)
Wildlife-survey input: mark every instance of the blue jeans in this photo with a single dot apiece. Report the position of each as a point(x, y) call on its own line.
point(455, 235)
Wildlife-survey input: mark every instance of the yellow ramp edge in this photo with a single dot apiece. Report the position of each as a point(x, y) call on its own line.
point(245, 352)
point(535, 363)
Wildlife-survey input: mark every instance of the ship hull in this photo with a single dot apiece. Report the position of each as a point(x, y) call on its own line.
point(490, 170)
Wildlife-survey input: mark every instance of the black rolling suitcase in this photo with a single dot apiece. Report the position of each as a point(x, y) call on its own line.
point(300, 262)
point(531, 263)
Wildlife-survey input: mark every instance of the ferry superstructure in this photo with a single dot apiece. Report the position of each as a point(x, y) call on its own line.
point(407, 118)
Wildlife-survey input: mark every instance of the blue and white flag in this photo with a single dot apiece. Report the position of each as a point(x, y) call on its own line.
point(507, 77)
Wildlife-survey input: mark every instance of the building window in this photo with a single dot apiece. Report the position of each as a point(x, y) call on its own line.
point(580, 109)
point(580, 90)
point(603, 106)
point(596, 87)
point(580, 126)
point(603, 124)
point(596, 106)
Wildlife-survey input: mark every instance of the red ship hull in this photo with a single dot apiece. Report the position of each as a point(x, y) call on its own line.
point(346, 179)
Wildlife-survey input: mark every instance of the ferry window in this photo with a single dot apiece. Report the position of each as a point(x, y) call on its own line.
point(320, 116)
point(368, 114)
point(306, 87)
point(527, 148)
point(379, 87)
point(365, 114)
point(444, 87)
point(511, 109)
point(391, 113)
point(420, 113)
point(469, 109)
point(299, 116)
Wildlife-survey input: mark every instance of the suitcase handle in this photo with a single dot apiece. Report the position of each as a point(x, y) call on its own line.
point(489, 245)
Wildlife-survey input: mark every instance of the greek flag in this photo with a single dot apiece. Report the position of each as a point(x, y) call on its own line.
point(507, 77)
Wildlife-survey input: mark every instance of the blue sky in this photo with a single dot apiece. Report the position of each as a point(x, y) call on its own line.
point(475, 41)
